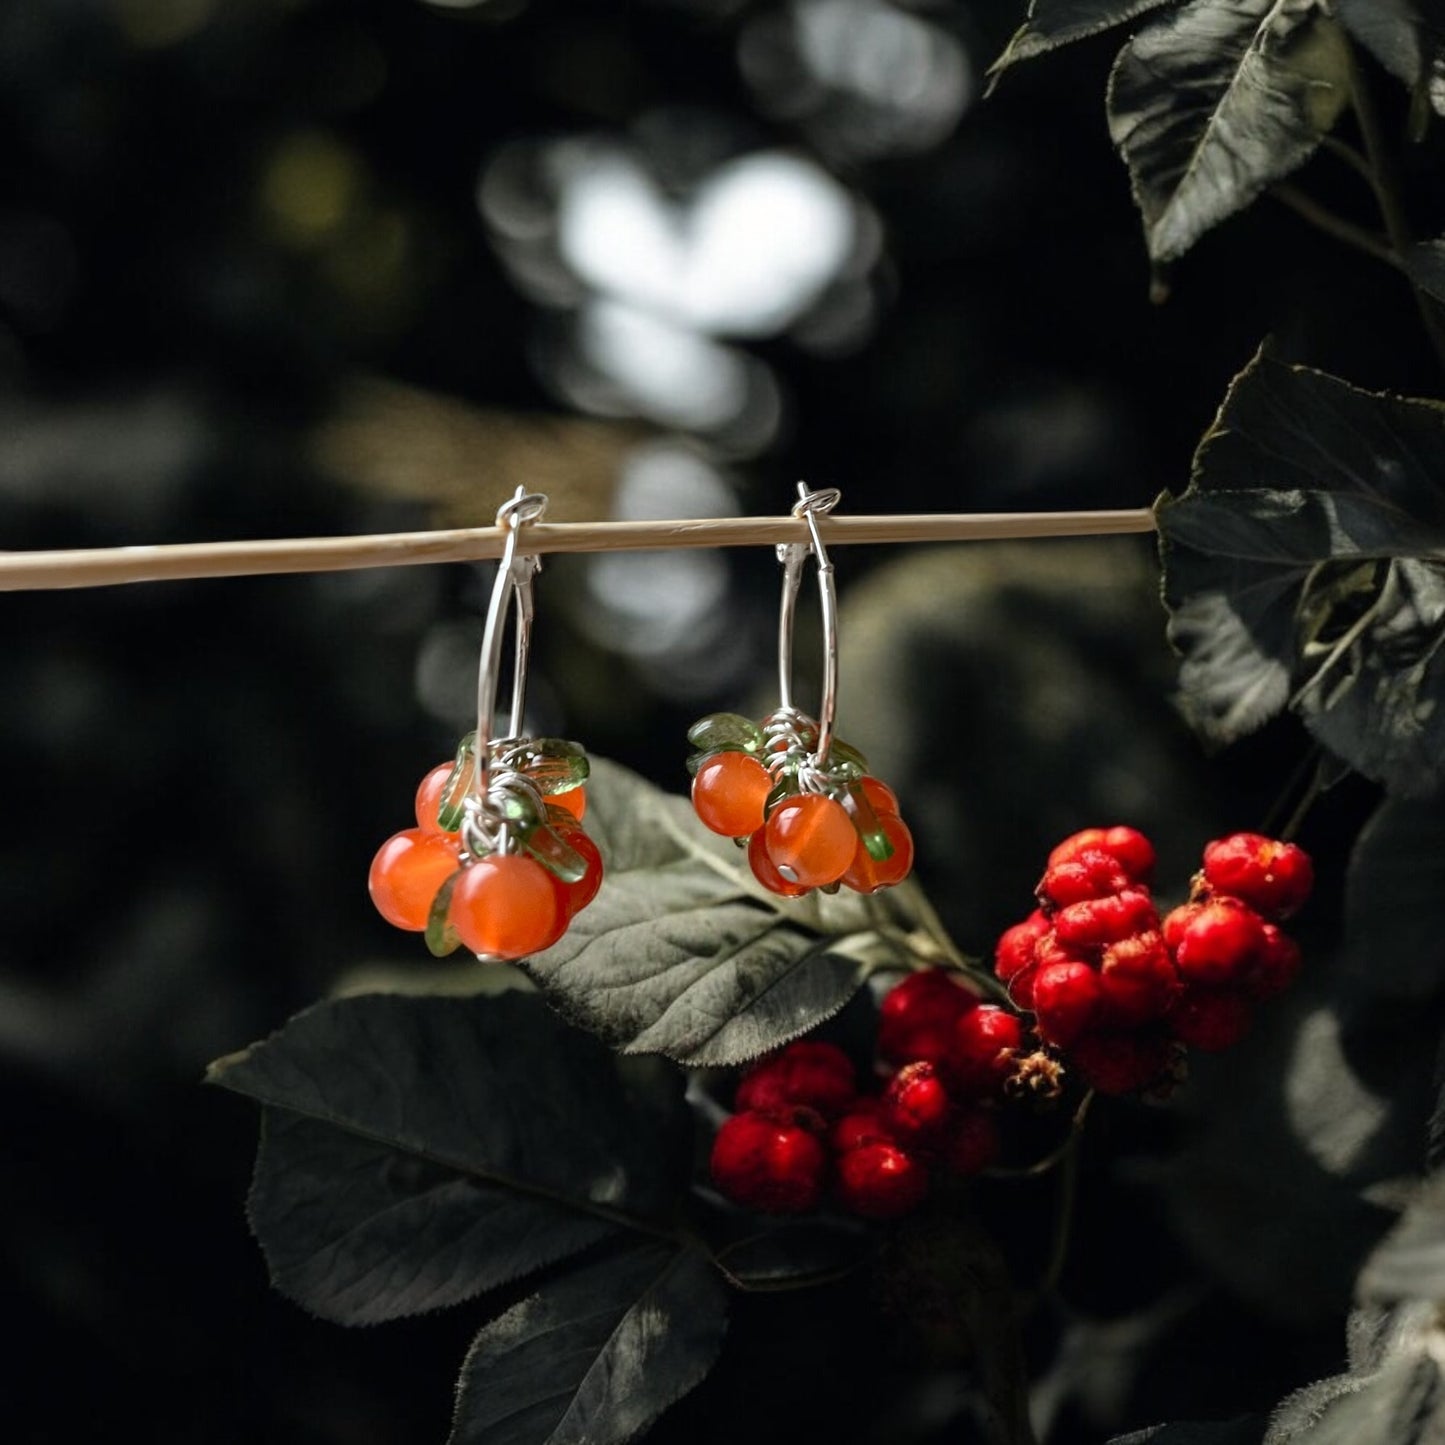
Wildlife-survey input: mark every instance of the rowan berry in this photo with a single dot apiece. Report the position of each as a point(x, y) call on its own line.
point(1220, 943)
point(1134, 852)
point(880, 1181)
point(1210, 1020)
point(1276, 966)
point(916, 1104)
point(981, 1050)
point(1176, 921)
point(406, 874)
point(1098, 922)
point(862, 1124)
point(1274, 878)
point(1091, 873)
point(728, 793)
point(770, 1162)
point(1014, 951)
point(1066, 1001)
point(808, 1073)
point(1137, 979)
point(867, 874)
point(810, 839)
point(509, 906)
point(971, 1142)
point(916, 1017)
point(1120, 1062)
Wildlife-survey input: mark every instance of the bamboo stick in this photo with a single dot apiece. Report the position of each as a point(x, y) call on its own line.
point(109, 566)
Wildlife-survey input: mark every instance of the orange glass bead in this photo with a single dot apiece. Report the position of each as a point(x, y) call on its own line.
point(578, 895)
point(574, 800)
point(880, 795)
point(728, 793)
point(765, 872)
point(811, 839)
point(429, 799)
point(507, 905)
point(867, 874)
point(406, 873)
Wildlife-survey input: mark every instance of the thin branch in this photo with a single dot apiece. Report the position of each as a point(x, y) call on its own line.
point(1352, 158)
point(1337, 226)
point(108, 566)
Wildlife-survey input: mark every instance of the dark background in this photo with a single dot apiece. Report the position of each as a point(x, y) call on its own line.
point(291, 267)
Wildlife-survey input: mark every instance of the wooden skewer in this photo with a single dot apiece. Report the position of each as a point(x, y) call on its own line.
point(108, 566)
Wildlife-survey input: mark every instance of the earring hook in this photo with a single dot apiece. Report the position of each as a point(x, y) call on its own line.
point(810, 506)
point(514, 577)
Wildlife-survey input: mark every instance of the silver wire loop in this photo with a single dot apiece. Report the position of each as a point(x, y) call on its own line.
point(810, 506)
point(514, 577)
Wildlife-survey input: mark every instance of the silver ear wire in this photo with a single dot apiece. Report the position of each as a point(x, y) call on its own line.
point(810, 506)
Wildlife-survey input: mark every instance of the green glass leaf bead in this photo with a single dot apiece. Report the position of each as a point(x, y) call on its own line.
point(554, 853)
point(441, 938)
point(730, 730)
point(554, 765)
point(696, 760)
point(785, 787)
point(847, 754)
point(865, 820)
point(458, 785)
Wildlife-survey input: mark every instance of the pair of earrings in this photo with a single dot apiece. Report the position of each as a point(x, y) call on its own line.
point(499, 860)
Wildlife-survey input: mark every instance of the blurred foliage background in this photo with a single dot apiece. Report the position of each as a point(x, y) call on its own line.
point(283, 267)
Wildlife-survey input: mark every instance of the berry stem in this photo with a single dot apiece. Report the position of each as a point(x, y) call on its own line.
point(918, 909)
point(1060, 1153)
point(1063, 1231)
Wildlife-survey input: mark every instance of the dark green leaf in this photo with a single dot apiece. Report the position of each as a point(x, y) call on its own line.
point(1395, 901)
point(1403, 1403)
point(1247, 1430)
point(420, 1150)
point(1052, 23)
point(1410, 1263)
point(1426, 266)
point(1405, 36)
point(794, 1253)
point(683, 953)
point(1217, 101)
point(594, 1356)
point(1303, 567)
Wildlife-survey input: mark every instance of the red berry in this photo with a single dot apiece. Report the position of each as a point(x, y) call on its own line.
point(769, 1162)
point(810, 839)
point(882, 798)
point(1097, 922)
point(981, 1052)
point(867, 874)
point(1211, 1020)
point(880, 1181)
point(766, 872)
point(573, 801)
point(1276, 967)
point(916, 1017)
point(1120, 1062)
point(1272, 877)
point(406, 873)
point(1134, 852)
point(862, 1124)
point(507, 905)
point(807, 1072)
point(971, 1143)
point(1090, 874)
point(1066, 1000)
point(916, 1105)
point(1138, 979)
point(429, 798)
point(728, 792)
point(1220, 943)
point(578, 895)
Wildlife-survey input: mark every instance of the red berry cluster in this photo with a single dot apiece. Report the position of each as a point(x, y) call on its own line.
point(806, 824)
point(503, 872)
point(1118, 992)
point(804, 1134)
